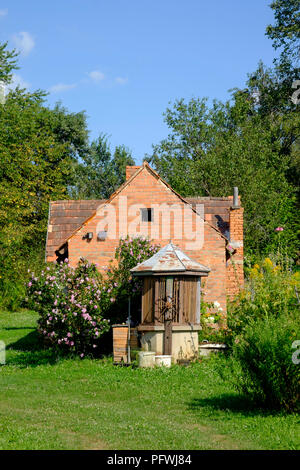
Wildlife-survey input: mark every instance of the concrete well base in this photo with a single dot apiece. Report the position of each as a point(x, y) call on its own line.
point(184, 340)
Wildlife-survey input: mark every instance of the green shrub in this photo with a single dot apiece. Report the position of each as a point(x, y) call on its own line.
point(14, 264)
point(272, 290)
point(213, 324)
point(70, 303)
point(266, 372)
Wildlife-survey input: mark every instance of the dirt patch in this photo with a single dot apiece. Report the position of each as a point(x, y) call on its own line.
point(75, 441)
point(221, 441)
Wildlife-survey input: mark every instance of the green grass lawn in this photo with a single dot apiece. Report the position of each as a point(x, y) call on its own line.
point(49, 402)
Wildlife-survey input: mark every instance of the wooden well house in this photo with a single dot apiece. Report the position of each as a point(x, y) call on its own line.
point(171, 302)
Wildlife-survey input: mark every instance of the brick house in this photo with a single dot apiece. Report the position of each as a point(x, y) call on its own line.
point(208, 229)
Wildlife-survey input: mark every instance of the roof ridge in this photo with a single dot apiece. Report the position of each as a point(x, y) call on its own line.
point(174, 249)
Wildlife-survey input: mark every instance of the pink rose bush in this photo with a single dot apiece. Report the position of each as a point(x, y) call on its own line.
point(77, 306)
point(70, 303)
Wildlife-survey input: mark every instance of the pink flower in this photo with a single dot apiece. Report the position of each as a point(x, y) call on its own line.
point(81, 355)
point(86, 316)
point(29, 284)
point(279, 229)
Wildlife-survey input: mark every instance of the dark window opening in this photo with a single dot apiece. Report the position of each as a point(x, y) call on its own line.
point(62, 254)
point(147, 215)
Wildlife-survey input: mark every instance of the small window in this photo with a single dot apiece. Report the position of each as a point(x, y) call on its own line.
point(147, 215)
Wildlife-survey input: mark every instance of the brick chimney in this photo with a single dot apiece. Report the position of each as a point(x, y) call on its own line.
point(130, 170)
point(235, 249)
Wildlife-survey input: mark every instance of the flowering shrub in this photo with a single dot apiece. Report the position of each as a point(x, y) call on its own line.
point(70, 304)
point(263, 323)
point(77, 306)
point(213, 323)
point(120, 285)
point(272, 290)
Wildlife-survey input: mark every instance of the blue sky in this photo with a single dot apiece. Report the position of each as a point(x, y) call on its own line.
point(123, 61)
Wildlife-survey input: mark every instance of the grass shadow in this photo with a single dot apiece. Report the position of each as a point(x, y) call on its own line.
point(239, 404)
point(30, 351)
point(19, 328)
point(31, 342)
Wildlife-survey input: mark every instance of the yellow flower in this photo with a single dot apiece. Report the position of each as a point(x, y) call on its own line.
point(256, 266)
point(254, 272)
point(268, 262)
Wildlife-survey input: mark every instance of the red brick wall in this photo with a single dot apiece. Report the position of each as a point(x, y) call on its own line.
point(147, 190)
point(235, 269)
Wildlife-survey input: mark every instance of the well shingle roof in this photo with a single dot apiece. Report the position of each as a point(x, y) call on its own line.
point(170, 259)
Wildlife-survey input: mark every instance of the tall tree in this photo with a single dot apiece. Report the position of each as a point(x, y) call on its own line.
point(285, 32)
point(210, 150)
point(38, 151)
point(100, 172)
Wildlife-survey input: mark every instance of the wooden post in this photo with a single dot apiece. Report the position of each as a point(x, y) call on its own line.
point(198, 301)
point(168, 318)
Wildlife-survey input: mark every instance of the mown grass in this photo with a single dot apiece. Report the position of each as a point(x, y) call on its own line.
point(52, 402)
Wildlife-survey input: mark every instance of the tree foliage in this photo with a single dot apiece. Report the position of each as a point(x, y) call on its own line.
point(210, 150)
point(38, 149)
point(100, 172)
point(251, 141)
point(8, 63)
point(285, 32)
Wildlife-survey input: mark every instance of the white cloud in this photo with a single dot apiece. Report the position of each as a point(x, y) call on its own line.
point(3, 12)
point(60, 87)
point(17, 80)
point(24, 42)
point(96, 75)
point(121, 80)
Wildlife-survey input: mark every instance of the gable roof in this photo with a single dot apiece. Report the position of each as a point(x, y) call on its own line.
point(66, 217)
